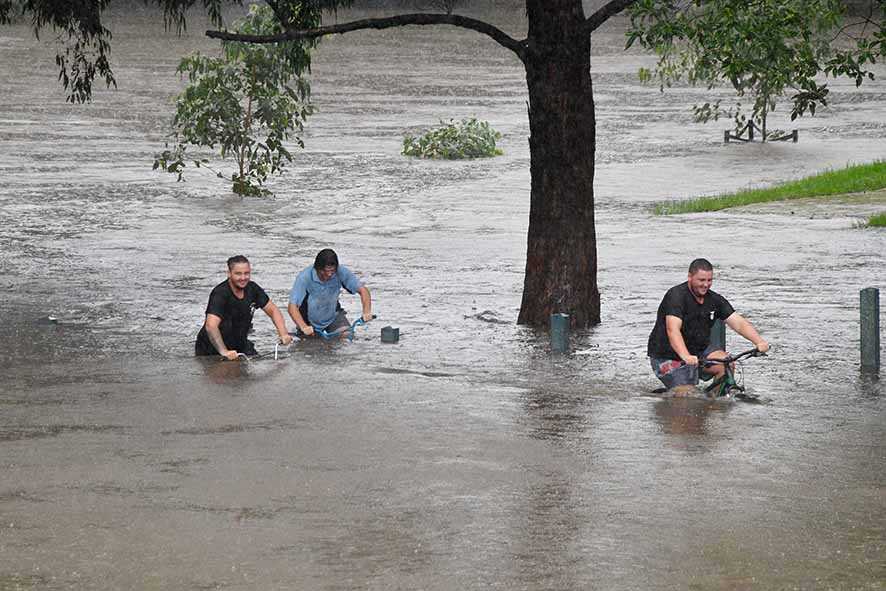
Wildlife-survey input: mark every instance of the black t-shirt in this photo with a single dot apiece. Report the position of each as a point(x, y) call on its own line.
point(698, 319)
point(236, 315)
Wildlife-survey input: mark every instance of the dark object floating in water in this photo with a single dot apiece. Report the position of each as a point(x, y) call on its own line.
point(390, 334)
point(488, 316)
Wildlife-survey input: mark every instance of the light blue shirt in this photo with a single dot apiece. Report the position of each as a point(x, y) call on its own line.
point(322, 296)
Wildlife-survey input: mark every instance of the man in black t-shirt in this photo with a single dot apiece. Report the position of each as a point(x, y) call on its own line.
point(229, 314)
point(683, 327)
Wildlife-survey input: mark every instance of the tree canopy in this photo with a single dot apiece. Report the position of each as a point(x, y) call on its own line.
point(85, 43)
point(661, 25)
point(866, 37)
point(762, 48)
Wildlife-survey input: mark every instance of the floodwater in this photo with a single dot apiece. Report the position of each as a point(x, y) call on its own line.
point(465, 456)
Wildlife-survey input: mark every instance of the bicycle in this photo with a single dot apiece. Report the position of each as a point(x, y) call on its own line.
point(727, 384)
point(350, 330)
point(278, 347)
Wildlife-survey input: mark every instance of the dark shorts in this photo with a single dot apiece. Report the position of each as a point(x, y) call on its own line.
point(341, 321)
point(674, 372)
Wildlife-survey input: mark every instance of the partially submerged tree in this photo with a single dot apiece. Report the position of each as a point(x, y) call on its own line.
point(245, 104)
point(561, 261)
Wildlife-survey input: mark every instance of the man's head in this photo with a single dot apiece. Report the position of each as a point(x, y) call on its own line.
point(239, 271)
point(326, 264)
point(701, 275)
point(237, 259)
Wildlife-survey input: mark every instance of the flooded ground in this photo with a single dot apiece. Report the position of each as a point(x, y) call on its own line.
point(465, 456)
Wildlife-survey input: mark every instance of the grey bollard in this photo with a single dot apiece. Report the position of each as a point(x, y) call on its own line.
point(870, 329)
point(718, 335)
point(390, 334)
point(560, 333)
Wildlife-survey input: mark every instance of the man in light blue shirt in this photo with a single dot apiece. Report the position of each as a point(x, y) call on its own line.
point(313, 301)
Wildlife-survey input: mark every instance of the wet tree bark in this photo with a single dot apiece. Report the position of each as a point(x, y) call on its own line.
point(561, 257)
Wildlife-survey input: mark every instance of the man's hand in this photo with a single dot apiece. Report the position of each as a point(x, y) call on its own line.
point(691, 360)
point(230, 355)
point(286, 339)
point(307, 331)
point(365, 303)
point(762, 346)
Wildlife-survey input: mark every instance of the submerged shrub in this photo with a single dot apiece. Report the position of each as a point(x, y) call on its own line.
point(468, 138)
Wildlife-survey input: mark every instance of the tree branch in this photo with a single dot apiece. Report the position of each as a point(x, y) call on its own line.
point(842, 30)
point(605, 12)
point(496, 34)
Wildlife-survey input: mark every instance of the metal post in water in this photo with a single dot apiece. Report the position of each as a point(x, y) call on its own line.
point(560, 333)
point(870, 329)
point(718, 335)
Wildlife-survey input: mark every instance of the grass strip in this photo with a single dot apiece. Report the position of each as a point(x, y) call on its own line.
point(852, 179)
point(878, 220)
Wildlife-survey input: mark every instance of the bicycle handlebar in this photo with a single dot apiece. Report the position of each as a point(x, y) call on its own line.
point(320, 333)
point(733, 358)
point(330, 335)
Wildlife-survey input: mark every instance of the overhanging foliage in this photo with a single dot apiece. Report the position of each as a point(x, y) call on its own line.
point(245, 104)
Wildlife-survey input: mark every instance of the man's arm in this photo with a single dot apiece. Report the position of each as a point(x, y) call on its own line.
point(300, 322)
point(675, 339)
point(740, 325)
point(211, 325)
point(276, 317)
point(366, 300)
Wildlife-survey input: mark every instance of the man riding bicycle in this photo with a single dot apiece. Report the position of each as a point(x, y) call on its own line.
point(682, 332)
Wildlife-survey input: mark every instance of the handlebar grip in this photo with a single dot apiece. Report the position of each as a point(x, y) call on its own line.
point(361, 322)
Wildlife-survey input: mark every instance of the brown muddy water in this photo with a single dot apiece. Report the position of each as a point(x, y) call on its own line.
point(466, 456)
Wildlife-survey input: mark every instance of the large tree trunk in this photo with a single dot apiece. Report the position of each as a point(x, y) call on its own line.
point(561, 258)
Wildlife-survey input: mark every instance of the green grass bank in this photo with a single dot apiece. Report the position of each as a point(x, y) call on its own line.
point(852, 179)
point(878, 221)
